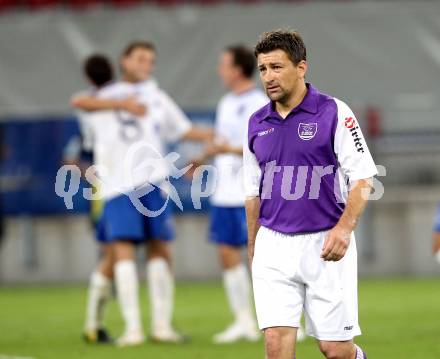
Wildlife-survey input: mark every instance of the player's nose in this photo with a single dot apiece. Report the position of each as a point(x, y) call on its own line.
point(268, 77)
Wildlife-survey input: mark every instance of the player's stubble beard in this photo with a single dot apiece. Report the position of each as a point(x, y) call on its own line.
point(282, 98)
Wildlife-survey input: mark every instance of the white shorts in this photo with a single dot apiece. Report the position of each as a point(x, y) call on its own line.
point(290, 276)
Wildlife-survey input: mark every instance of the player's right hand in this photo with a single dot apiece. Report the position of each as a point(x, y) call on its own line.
point(336, 244)
point(133, 106)
point(191, 173)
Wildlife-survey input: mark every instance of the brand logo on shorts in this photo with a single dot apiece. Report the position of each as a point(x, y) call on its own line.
point(306, 131)
point(348, 328)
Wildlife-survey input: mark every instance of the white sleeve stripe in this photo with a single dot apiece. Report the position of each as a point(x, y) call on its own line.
point(251, 170)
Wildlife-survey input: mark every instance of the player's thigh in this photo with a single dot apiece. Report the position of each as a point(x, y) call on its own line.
point(331, 307)
point(278, 297)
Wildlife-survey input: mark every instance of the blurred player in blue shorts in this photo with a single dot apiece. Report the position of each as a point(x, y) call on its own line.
point(136, 188)
point(99, 72)
point(228, 218)
point(436, 236)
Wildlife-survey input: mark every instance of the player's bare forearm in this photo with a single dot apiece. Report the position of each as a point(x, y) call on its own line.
point(356, 203)
point(338, 238)
point(199, 134)
point(252, 205)
point(234, 150)
point(91, 104)
point(213, 149)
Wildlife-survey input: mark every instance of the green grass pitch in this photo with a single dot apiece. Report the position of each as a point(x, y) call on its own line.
point(400, 320)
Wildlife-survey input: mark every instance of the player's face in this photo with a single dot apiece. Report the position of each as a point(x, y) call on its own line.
point(139, 65)
point(227, 70)
point(280, 77)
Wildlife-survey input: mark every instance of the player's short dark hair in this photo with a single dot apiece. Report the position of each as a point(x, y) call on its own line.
point(290, 42)
point(146, 45)
point(243, 58)
point(98, 69)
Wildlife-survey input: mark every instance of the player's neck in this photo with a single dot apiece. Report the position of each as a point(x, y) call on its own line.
point(128, 79)
point(242, 86)
point(284, 107)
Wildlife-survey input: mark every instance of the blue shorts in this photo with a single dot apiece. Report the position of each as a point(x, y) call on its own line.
point(437, 220)
point(228, 226)
point(122, 221)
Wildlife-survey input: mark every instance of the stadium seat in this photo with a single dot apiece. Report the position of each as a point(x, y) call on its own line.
point(83, 4)
point(6, 5)
point(39, 4)
point(122, 3)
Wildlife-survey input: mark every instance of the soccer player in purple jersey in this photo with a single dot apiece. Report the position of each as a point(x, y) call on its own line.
point(308, 174)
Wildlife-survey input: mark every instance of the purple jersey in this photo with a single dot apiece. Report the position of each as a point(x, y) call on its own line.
point(303, 163)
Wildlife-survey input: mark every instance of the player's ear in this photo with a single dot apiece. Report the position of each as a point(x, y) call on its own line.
point(302, 68)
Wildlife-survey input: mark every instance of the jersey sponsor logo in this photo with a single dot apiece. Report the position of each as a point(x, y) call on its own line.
point(350, 122)
point(306, 131)
point(352, 126)
point(266, 132)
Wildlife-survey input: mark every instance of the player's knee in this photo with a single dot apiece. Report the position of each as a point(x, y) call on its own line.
point(159, 249)
point(230, 257)
point(272, 338)
point(123, 250)
point(275, 340)
point(333, 350)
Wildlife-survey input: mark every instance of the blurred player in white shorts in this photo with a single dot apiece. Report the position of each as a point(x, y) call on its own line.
point(307, 176)
point(143, 182)
point(227, 215)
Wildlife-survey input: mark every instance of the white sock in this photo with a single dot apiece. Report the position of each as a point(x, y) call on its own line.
point(161, 291)
point(237, 285)
point(99, 293)
point(126, 281)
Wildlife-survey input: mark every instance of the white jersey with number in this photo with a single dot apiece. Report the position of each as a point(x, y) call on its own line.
point(130, 150)
point(233, 113)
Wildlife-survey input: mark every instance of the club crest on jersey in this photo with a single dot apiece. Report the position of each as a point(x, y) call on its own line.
point(306, 131)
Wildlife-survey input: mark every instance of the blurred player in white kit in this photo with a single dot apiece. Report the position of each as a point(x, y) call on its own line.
point(99, 72)
point(124, 224)
point(228, 230)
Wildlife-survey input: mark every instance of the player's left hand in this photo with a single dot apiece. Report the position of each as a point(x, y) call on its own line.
point(336, 244)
